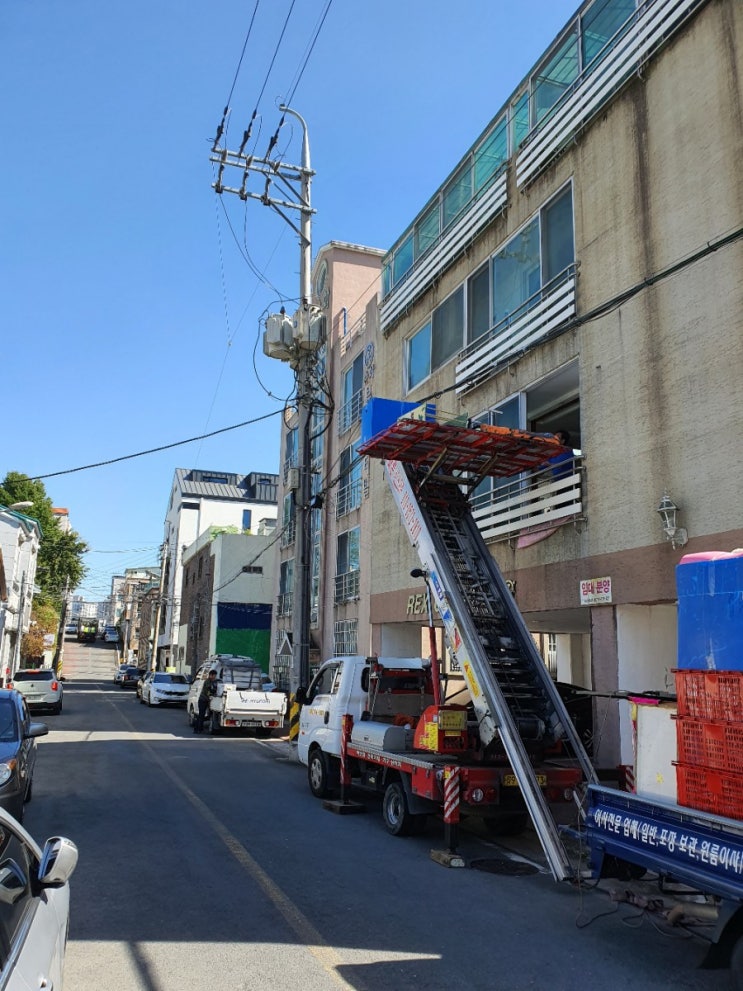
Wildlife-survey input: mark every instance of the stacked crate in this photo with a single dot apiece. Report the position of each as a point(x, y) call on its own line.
point(709, 683)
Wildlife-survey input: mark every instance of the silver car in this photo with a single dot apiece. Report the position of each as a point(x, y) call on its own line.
point(34, 907)
point(40, 687)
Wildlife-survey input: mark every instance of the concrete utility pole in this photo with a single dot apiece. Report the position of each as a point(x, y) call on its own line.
point(293, 340)
point(16, 658)
point(158, 608)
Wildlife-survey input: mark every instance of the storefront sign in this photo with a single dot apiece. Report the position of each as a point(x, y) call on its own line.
point(595, 590)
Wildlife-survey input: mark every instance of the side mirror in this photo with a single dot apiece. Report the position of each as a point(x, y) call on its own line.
point(36, 729)
point(58, 861)
point(301, 695)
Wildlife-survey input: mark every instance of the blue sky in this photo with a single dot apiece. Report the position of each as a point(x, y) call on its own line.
point(129, 316)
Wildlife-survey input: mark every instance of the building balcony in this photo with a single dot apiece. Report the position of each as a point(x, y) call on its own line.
point(539, 317)
point(348, 498)
point(346, 587)
point(285, 604)
point(533, 505)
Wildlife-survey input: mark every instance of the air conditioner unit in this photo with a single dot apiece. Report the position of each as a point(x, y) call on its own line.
point(292, 479)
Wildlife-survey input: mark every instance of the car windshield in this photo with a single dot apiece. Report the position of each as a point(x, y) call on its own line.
point(8, 730)
point(170, 679)
point(34, 676)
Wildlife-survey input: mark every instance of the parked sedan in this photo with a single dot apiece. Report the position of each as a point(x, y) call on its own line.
point(161, 687)
point(119, 672)
point(41, 689)
point(111, 636)
point(35, 900)
point(17, 752)
point(130, 676)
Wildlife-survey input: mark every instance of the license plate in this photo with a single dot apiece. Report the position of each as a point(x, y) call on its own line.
point(251, 722)
point(509, 780)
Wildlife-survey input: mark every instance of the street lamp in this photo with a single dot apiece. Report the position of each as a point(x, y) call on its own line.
point(667, 510)
point(20, 506)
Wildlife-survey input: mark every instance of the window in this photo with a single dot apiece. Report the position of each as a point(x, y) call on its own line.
point(491, 153)
point(349, 486)
point(345, 637)
point(457, 194)
point(348, 551)
point(290, 451)
point(427, 230)
point(478, 303)
point(508, 414)
point(215, 479)
point(519, 120)
point(419, 356)
point(247, 516)
point(600, 23)
point(402, 261)
point(16, 864)
point(286, 577)
point(516, 274)
point(326, 681)
point(533, 258)
point(352, 393)
point(436, 341)
point(288, 521)
point(556, 74)
point(201, 566)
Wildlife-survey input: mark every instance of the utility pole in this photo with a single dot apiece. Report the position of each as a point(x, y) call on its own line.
point(294, 340)
point(16, 658)
point(158, 609)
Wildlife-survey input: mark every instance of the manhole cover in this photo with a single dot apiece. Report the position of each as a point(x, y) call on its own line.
point(494, 865)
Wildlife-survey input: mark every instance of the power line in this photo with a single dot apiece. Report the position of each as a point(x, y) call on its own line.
point(155, 450)
point(293, 90)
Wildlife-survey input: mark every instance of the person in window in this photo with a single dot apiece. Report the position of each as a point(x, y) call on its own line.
point(207, 693)
point(562, 464)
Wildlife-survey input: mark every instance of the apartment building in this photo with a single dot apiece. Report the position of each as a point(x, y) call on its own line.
point(345, 285)
point(200, 499)
point(580, 270)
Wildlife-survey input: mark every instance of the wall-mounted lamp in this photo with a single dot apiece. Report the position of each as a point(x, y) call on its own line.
point(667, 510)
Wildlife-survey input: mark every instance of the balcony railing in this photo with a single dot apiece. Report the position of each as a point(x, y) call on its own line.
point(349, 498)
point(532, 503)
point(285, 604)
point(346, 587)
point(350, 412)
point(537, 318)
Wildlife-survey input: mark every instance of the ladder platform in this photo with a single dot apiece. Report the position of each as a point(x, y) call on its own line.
point(446, 448)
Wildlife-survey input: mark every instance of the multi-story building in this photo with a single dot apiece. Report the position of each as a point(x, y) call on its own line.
point(580, 270)
point(226, 596)
point(20, 536)
point(345, 283)
point(136, 636)
point(201, 499)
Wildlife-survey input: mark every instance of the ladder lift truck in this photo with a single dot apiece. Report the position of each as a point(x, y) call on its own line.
point(695, 858)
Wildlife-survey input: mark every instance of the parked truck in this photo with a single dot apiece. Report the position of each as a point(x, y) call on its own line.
point(87, 630)
point(417, 747)
point(513, 748)
point(241, 702)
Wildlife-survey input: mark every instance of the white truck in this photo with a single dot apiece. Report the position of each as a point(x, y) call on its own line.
point(241, 701)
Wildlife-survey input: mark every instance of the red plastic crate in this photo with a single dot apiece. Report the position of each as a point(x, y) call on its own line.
point(719, 792)
point(710, 694)
point(717, 745)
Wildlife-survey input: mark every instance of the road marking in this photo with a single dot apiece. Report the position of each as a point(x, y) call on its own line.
point(325, 955)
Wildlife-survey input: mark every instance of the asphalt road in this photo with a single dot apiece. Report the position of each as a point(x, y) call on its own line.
point(206, 863)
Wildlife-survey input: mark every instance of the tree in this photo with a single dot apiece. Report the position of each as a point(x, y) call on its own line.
point(60, 564)
point(44, 620)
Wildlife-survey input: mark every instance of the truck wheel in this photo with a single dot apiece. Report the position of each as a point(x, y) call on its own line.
point(318, 774)
point(395, 812)
point(507, 824)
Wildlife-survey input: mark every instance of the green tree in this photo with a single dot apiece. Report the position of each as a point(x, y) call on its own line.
point(60, 564)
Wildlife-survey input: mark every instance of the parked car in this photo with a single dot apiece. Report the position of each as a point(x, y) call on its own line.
point(110, 635)
point(17, 753)
point(131, 675)
point(35, 900)
point(162, 687)
point(71, 629)
point(119, 672)
point(41, 689)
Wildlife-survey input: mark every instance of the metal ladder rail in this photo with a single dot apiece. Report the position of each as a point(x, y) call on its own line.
point(506, 659)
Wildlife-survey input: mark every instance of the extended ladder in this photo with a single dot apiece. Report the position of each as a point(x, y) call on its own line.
point(513, 695)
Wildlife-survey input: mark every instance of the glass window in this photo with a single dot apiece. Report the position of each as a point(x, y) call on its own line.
point(353, 379)
point(519, 121)
point(555, 75)
point(247, 517)
point(386, 279)
point(516, 274)
point(286, 577)
point(457, 194)
point(290, 453)
point(348, 551)
point(427, 230)
point(478, 304)
point(419, 356)
point(557, 236)
point(403, 260)
point(490, 155)
point(600, 23)
point(508, 414)
point(447, 333)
